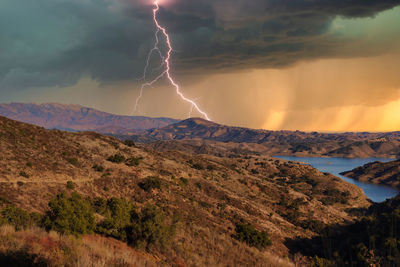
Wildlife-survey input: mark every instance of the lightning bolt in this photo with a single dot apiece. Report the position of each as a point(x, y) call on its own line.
point(166, 63)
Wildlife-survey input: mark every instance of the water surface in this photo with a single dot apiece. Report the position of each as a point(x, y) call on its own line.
point(377, 193)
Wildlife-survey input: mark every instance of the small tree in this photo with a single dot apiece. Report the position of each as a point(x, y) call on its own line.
point(70, 215)
point(117, 213)
point(149, 228)
point(248, 234)
point(150, 183)
point(70, 185)
point(18, 217)
point(117, 158)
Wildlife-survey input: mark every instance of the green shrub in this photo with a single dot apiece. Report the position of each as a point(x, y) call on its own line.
point(248, 234)
point(70, 215)
point(129, 143)
point(197, 166)
point(117, 213)
point(150, 183)
point(210, 168)
point(100, 206)
point(4, 200)
point(205, 204)
point(132, 161)
point(333, 196)
point(313, 225)
point(19, 218)
point(184, 181)
point(198, 185)
point(254, 171)
point(24, 174)
point(331, 192)
point(73, 161)
point(70, 185)
point(117, 158)
point(149, 228)
point(98, 168)
point(321, 262)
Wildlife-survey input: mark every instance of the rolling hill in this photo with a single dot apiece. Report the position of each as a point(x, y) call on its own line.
point(78, 118)
point(385, 173)
point(215, 137)
point(206, 196)
point(293, 143)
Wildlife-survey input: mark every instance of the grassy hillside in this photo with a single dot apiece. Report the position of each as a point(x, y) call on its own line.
point(386, 173)
point(219, 206)
point(293, 143)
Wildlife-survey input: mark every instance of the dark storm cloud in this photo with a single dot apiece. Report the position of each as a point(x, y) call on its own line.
point(56, 42)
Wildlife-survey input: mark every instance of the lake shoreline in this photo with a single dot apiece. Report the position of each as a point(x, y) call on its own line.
point(335, 165)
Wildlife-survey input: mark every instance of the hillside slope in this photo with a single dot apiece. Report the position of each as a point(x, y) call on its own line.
point(386, 173)
point(78, 118)
point(208, 194)
point(293, 143)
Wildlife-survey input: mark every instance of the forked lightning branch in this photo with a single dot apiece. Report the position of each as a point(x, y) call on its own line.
point(166, 64)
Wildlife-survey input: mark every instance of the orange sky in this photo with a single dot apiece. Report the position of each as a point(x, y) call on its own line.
point(357, 94)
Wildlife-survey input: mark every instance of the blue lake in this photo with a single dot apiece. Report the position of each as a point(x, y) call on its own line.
point(377, 193)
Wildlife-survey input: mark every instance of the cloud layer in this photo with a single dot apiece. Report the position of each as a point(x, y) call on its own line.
point(49, 43)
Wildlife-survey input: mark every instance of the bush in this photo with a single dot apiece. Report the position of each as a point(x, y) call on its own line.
point(70, 215)
point(210, 168)
point(19, 218)
point(149, 229)
point(313, 225)
point(197, 166)
point(117, 158)
point(129, 143)
point(248, 234)
point(132, 161)
point(254, 171)
point(321, 262)
point(73, 161)
point(117, 213)
point(98, 168)
point(184, 181)
point(24, 174)
point(150, 183)
point(70, 185)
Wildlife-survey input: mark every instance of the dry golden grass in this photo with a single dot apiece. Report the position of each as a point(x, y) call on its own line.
point(202, 247)
point(208, 194)
point(36, 246)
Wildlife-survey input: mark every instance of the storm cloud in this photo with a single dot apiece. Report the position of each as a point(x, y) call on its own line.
point(47, 43)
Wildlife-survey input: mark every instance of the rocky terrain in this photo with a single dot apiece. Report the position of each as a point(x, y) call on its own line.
point(206, 194)
point(78, 118)
point(387, 173)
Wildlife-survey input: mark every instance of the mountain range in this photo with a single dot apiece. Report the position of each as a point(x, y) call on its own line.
point(221, 138)
point(79, 118)
point(170, 134)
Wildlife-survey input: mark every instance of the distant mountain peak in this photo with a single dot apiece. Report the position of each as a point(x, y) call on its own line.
point(198, 121)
